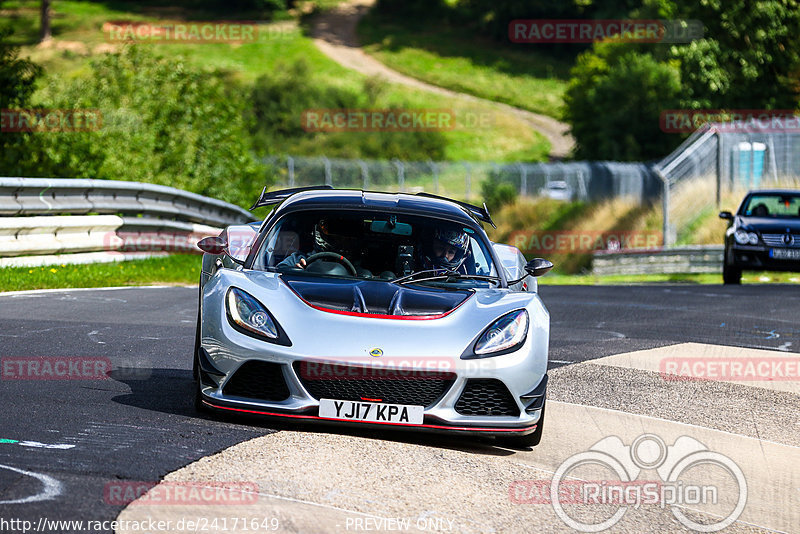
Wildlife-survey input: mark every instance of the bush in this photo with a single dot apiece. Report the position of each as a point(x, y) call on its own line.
point(614, 103)
point(497, 194)
point(164, 122)
point(17, 80)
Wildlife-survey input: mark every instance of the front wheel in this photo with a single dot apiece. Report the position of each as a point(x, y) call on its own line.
point(525, 442)
point(197, 385)
point(731, 275)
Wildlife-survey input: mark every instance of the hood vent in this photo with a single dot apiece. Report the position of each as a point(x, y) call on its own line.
point(375, 298)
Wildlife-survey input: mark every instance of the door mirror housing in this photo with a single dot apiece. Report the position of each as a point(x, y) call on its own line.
point(212, 245)
point(728, 216)
point(538, 267)
point(235, 242)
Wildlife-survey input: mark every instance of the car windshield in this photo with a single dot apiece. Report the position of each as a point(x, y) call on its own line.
point(375, 245)
point(781, 205)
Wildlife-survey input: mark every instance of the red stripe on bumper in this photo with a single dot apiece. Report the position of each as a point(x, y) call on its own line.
point(316, 417)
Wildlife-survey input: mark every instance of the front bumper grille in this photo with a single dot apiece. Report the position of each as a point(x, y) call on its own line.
point(258, 380)
point(392, 386)
point(487, 397)
point(777, 240)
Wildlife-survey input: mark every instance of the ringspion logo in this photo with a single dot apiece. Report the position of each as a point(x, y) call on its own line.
point(689, 475)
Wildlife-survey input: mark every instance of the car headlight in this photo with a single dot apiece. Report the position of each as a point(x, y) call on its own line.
point(505, 334)
point(247, 313)
point(746, 238)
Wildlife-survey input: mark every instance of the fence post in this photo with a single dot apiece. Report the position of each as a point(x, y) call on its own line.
point(665, 207)
point(364, 173)
point(719, 168)
point(290, 168)
point(401, 176)
point(435, 170)
point(328, 178)
point(523, 180)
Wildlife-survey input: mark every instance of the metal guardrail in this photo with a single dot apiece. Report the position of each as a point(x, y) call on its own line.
point(45, 221)
point(67, 196)
point(693, 259)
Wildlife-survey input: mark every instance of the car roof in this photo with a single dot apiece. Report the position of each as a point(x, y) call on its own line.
point(774, 192)
point(389, 202)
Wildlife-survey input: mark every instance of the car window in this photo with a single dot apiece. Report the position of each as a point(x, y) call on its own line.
point(371, 245)
point(773, 205)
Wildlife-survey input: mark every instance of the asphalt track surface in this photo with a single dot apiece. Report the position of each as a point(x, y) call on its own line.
point(74, 438)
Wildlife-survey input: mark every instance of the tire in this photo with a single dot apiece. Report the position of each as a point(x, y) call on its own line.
point(196, 387)
point(526, 442)
point(731, 275)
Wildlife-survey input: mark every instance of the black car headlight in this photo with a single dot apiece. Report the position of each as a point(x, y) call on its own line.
point(250, 316)
point(504, 335)
point(745, 238)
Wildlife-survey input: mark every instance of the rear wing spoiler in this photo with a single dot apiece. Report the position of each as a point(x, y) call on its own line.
point(481, 213)
point(276, 197)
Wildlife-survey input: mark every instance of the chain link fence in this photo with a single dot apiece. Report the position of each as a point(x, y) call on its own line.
point(716, 166)
point(462, 180)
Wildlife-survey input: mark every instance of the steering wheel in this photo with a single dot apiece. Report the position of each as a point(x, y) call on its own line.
point(332, 256)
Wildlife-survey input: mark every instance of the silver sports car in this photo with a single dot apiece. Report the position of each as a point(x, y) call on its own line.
point(366, 308)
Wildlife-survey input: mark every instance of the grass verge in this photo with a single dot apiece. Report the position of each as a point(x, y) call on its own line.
point(174, 269)
point(445, 56)
point(78, 36)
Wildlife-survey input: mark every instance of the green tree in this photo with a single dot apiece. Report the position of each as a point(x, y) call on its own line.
point(749, 58)
point(164, 122)
point(614, 103)
point(17, 83)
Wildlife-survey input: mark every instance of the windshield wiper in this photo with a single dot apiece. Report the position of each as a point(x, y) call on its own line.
point(444, 275)
point(413, 275)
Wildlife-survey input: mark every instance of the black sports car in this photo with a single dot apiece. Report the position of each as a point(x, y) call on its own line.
point(763, 235)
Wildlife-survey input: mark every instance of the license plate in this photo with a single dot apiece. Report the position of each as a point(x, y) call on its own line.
point(785, 254)
point(375, 412)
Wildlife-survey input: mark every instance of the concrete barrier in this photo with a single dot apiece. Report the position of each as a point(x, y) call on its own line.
point(692, 259)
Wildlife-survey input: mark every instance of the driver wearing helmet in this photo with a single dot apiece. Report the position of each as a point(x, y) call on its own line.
point(448, 250)
point(325, 240)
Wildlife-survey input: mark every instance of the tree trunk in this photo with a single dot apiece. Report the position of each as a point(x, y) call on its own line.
point(45, 33)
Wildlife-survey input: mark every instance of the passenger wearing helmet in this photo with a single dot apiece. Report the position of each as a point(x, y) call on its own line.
point(447, 249)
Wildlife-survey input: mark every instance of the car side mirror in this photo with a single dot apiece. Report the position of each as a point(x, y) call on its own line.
point(728, 216)
point(538, 267)
point(212, 245)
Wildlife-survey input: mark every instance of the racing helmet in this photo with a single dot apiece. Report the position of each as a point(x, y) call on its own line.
point(331, 236)
point(446, 250)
